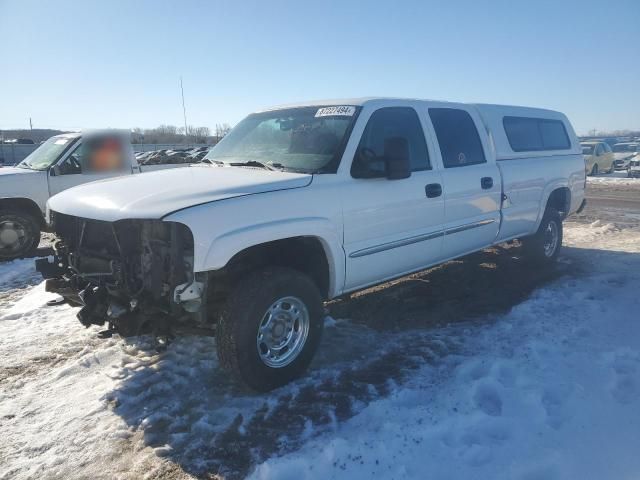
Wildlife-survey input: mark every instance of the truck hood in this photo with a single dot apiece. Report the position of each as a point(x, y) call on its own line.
point(156, 194)
point(14, 171)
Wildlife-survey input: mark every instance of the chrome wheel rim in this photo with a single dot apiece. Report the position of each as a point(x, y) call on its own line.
point(550, 239)
point(283, 332)
point(13, 235)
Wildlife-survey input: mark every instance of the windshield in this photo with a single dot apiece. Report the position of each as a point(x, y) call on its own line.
point(625, 147)
point(47, 153)
point(587, 149)
point(309, 139)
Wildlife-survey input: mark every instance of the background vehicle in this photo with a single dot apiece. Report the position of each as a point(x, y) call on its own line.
point(598, 157)
point(633, 170)
point(623, 153)
point(306, 203)
point(58, 164)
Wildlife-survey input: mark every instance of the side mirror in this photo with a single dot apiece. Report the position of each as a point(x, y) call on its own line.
point(396, 157)
point(55, 171)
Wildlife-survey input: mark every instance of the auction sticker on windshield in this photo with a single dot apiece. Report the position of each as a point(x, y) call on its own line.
point(338, 110)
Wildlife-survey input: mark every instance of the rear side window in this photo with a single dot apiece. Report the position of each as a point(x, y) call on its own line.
point(535, 134)
point(458, 137)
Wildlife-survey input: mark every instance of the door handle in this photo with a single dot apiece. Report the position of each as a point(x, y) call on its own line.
point(433, 190)
point(486, 183)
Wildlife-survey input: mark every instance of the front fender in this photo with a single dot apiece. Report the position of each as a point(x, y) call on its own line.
point(29, 187)
point(214, 247)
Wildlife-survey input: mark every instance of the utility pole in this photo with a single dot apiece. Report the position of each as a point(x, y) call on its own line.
point(30, 125)
point(184, 109)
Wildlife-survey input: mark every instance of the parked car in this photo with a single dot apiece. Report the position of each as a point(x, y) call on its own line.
point(303, 204)
point(598, 157)
point(58, 164)
point(623, 153)
point(633, 170)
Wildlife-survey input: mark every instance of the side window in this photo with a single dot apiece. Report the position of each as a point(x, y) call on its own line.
point(599, 150)
point(607, 148)
point(384, 125)
point(457, 136)
point(535, 134)
point(554, 135)
point(73, 163)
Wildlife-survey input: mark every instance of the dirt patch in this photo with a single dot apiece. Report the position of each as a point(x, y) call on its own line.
point(487, 282)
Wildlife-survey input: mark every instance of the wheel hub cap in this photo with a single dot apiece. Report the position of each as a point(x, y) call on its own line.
point(283, 332)
point(12, 235)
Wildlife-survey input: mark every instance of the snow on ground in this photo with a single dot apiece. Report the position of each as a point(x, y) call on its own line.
point(549, 390)
point(615, 178)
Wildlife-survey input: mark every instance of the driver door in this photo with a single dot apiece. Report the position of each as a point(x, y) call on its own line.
point(392, 227)
point(72, 170)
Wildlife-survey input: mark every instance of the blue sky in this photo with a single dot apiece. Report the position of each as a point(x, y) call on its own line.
point(117, 63)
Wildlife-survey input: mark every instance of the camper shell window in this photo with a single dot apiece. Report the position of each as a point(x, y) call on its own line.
point(535, 134)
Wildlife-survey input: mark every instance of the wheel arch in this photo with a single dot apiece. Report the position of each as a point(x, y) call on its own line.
point(25, 205)
point(305, 254)
point(557, 196)
point(310, 245)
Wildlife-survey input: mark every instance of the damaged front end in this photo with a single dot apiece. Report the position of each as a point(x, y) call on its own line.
point(136, 276)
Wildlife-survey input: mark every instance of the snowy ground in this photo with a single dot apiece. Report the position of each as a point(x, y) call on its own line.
point(478, 369)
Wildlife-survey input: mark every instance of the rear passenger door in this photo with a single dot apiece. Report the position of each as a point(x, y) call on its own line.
point(470, 179)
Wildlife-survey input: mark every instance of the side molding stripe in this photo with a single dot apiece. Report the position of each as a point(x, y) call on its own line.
point(469, 226)
point(418, 238)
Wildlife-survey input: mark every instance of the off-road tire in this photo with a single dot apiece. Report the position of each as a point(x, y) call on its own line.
point(32, 229)
point(534, 245)
point(242, 315)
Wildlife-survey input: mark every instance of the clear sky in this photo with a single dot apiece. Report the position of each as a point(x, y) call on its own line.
point(117, 63)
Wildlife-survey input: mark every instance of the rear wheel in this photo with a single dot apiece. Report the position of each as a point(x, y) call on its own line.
point(270, 327)
point(19, 234)
point(594, 170)
point(544, 246)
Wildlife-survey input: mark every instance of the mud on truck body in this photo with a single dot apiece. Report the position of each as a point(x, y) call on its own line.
point(305, 203)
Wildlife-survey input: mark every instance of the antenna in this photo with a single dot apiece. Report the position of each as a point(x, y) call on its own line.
point(184, 109)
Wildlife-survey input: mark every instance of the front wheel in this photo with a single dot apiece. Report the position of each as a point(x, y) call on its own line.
point(544, 245)
point(270, 327)
point(19, 235)
point(594, 170)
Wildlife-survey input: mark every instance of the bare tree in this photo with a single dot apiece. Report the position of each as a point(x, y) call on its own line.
point(221, 130)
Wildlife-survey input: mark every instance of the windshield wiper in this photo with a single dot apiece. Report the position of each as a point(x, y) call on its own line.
point(255, 163)
point(213, 162)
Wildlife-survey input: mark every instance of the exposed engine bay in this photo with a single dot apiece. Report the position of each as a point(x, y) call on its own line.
point(136, 276)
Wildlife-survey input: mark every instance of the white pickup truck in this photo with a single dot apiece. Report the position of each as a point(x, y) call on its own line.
point(58, 164)
point(305, 203)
